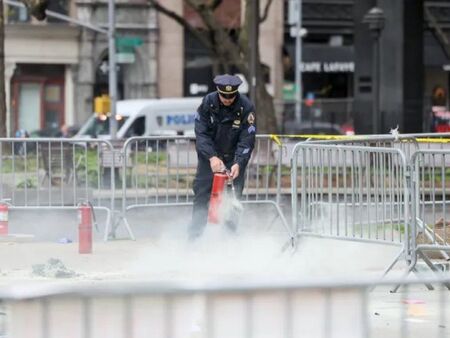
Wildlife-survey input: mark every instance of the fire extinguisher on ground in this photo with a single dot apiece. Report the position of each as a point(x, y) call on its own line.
point(85, 217)
point(4, 213)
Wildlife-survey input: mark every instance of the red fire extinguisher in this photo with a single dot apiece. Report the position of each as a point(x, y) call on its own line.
point(215, 200)
point(4, 210)
point(84, 228)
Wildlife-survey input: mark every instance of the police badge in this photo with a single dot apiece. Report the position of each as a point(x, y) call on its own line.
point(251, 118)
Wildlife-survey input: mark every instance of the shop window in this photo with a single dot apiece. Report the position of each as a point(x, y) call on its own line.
point(328, 85)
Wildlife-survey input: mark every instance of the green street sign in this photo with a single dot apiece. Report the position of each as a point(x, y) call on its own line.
point(126, 44)
point(289, 90)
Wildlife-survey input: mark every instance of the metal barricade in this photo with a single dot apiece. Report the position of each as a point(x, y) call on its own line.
point(354, 192)
point(242, 310)
point(431, 209)
point(53, 173)
point(375, 188)
point(159, 171)
point(407, 143)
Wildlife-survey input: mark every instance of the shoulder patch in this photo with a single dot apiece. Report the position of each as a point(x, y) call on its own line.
point(251, 118)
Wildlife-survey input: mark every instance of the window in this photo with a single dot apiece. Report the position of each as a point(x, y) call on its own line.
point(137, 128)
point(17, 14)
point(58, 6)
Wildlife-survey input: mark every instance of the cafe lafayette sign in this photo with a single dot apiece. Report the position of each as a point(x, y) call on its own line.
point(328, 67)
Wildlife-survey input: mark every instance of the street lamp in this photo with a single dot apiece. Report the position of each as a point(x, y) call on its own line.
point(375, 19)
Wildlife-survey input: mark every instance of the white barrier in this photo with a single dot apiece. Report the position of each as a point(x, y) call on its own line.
point(244, 310)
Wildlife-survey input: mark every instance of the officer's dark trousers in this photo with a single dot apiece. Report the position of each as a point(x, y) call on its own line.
point(202, 192)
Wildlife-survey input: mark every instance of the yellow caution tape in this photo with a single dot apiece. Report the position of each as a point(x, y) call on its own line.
point(433, 140)
point(277, 138)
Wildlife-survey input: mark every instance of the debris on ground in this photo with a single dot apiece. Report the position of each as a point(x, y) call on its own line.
point(64, 240)
point(54, 268)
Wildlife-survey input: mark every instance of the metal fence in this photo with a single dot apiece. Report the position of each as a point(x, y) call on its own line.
point(242, 310)
point(353, 192)
point(431, 210)
point(47, 173)
point(159, 171)
point(377, 188)
point(407, 143)
point(362, 190)
point(56, 174)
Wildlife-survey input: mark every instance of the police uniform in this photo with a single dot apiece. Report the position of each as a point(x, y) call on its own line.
point(227, 132)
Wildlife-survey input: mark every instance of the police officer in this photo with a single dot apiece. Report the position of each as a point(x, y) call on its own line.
point(225, 136)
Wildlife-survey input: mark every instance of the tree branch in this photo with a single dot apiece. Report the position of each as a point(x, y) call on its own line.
point(181, 21)
point(266, 11)
point(219, 35)
point(214, 4)
point(37, 8)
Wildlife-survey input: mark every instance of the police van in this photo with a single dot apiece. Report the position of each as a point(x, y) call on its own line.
point(145, 117)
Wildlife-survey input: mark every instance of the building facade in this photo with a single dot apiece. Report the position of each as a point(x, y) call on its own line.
point(338, 61)
point(55, 69)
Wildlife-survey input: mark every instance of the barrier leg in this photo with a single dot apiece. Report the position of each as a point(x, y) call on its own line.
point(390, 266)
point(412, 268)
point(431, 265)
point(110, 230)
point(107, 226)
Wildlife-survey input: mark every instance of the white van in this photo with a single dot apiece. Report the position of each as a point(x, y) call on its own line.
point(146, 117)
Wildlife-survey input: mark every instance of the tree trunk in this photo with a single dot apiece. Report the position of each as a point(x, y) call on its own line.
point(263, 101)
point(265, 115)
point(2, 73)
point(226, 52)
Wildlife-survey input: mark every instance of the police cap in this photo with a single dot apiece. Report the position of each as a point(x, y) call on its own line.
point(227, 85)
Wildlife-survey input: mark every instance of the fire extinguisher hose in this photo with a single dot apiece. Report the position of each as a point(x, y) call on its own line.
point(94, 219)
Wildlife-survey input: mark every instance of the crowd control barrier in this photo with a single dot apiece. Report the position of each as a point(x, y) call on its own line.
point(48, 174)
point(430, 205)
point(354, 192)
point(159, 171)
point(384, 189)
point(242, 310)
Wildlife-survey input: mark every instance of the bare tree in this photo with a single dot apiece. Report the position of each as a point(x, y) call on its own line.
point(226, 51)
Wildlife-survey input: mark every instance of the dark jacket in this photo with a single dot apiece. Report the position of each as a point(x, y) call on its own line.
point(225, 132)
